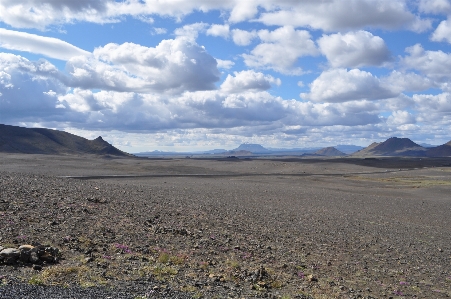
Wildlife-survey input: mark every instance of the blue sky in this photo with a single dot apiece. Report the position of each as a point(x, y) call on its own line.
point(193, 75)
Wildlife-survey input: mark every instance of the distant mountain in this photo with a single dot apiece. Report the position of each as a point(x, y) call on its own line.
point(443, 150)
point(393, 146)
point(427, 145)
point(238, 153)
point(348, 149)
point(329, 152)
point(215, 151)
point(45, 141)
point(253, 148)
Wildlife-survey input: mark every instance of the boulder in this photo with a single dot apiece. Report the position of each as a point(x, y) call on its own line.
point(10, 255)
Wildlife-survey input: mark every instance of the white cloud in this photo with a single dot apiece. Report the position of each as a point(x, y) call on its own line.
point(435, 6)
point(219, 30)
point(225, 64)
point(172, 66)
point(41, 14)
point(244, 10)
point(158, 30)
point(32, 92)
point(328, 15)
point(341, 85)
point(28, 89)
point(243, 37)
point(405, 82)
point(343, 15)
point(399, 118)
point(191, 31)
point(434, 64)
point(280, 50)
point(434, 110)
point(443, 32)
point(47, 46)
point(248, 81)
point(434, 104)
point(354, 49)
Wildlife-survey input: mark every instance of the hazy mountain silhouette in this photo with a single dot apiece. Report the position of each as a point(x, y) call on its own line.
point(330, 152)
point(253, 148)
point(443, 150)
point(15, 139)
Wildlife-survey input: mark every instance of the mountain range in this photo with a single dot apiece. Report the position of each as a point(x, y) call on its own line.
point(403, 147)
point(46, 141)
point(15, 139)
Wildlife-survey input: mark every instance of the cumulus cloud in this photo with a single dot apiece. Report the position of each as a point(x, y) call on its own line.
point(440, 103)
point(33, 91)
point(407, 82)
point(172, 66)
point(248, 81)
point(191, 31)
point(433, 64)
point(28, 90)
point(354, 49)
point(243, 37)
point(326, 15)
point(399, 118)
point(225, 64)
point(40, 14)
point(280, 50)
point(219, 30)
point(443, 32)
point(435, 6)
point(434, 110)
point(341, 85)
point(344, 15)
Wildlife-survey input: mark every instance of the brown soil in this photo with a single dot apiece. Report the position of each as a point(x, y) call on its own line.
point(233, 228)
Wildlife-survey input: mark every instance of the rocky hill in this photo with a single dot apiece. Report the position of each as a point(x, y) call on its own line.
point(393, 146)
point(329, 152)
point(253, 148)
point(15, 139)
point(443, 150)
point(403, 147)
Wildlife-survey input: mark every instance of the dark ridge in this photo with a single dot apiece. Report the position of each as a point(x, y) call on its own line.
point(443, 150)
point(395, 144)
point(329, 152)
point(15, 139)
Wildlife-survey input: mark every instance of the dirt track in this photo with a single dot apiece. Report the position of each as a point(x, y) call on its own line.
point(240, 228)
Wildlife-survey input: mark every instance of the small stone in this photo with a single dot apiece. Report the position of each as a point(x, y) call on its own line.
point(10, 255)
point(312, 278)
point(34, 259)
point(24, 256)
point(26, 247)
point(88, 259)
point(37, 267)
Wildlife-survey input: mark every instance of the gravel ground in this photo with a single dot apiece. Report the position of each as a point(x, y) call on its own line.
point(264, 229)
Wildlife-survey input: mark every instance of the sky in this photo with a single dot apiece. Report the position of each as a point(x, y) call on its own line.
point(177, 75)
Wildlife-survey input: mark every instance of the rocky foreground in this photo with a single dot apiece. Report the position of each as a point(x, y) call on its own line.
point(353, 236)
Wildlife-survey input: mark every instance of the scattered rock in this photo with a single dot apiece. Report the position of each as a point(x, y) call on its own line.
point(10, 255)
point(29, 254)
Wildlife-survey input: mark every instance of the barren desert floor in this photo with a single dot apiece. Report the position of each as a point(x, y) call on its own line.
point(228, 228)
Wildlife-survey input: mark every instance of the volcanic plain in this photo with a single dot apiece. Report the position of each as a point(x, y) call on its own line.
point(228, 228)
